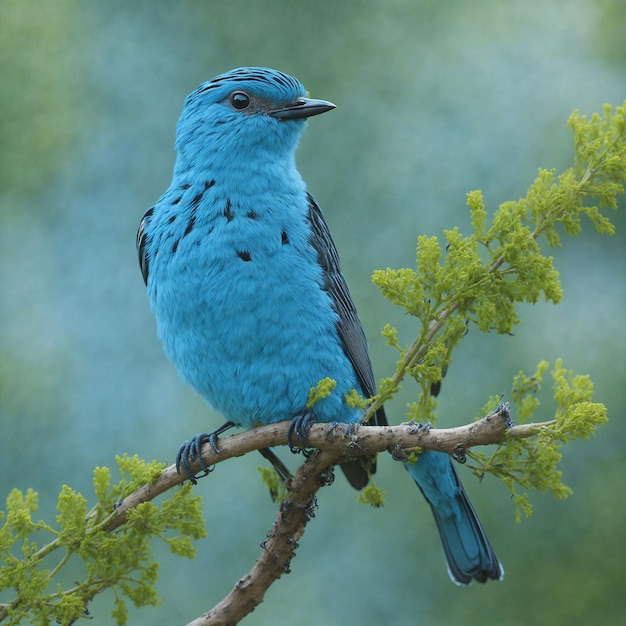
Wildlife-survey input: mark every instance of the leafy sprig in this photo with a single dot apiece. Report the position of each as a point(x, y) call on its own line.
point(480, 279)
point(524, 464)
point(119, 559)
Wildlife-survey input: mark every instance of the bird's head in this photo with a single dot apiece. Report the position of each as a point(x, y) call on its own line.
point(248, 111)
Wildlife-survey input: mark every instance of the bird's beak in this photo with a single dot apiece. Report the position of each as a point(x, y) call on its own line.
point(302, 108)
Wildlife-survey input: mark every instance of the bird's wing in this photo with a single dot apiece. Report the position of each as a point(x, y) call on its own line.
point(348, 326)
point(142, 239)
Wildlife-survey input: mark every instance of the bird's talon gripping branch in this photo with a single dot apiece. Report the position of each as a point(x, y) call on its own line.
point(214, 434)
point(213, 442)
point(299, 427)
point(191, 451)
point(330, 430)
point(188, 453)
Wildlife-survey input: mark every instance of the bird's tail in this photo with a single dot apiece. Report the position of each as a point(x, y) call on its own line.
point(468, 552)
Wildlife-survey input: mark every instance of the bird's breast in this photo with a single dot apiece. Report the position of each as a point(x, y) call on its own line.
point(238, 296)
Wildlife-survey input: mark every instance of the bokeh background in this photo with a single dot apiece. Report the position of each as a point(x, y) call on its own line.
point(434, 99)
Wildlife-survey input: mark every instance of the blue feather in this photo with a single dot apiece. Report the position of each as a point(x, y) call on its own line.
point(245, 283)
point(469, 554)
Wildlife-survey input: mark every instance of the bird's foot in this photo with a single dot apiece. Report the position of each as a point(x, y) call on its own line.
point(330, 430)
point(299, 427)
point(191, 451)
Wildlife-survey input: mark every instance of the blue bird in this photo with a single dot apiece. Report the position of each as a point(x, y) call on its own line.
point(245, 283)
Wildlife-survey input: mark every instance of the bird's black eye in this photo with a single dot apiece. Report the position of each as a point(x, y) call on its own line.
point(239, 100)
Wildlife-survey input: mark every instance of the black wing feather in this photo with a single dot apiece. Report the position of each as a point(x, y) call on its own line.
point(349, 326)
point(350, 332)
point(142, 240)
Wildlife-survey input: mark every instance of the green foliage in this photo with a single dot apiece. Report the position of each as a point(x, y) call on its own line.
point(480, 279)
point(372, 495)
point(531, 463)
point(274, 483)
point(356, 400)
point(323, 389)
point(120, 559)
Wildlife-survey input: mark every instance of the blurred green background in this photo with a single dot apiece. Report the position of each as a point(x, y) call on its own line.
point(433, 99)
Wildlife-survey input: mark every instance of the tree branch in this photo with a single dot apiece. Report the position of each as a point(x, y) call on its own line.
point(295, 511)
point(340, 441)
point(334, 442)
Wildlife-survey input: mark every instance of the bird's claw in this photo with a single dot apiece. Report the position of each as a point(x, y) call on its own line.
point(191, 451)
point(213, 442)
point(300, 427)
point(330, 430)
